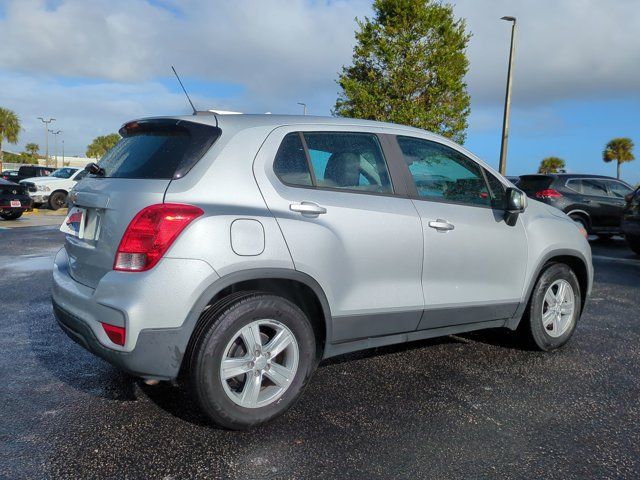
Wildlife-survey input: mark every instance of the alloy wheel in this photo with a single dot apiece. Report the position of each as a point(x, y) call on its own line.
point(259, 363)
point(558, 308)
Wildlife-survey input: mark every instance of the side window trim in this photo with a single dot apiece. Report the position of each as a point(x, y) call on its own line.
point(411, 186)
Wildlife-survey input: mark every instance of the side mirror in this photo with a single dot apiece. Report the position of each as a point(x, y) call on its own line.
point(515, 204)
point(94, 169)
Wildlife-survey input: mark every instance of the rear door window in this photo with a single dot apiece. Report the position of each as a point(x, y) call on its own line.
point(593, 187)
point(351, 161)
point(333, 160)
point(158, 149)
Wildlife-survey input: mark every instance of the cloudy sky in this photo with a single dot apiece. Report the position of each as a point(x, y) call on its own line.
point(93, 64)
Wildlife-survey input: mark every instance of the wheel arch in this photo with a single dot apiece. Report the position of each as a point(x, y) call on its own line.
point(299, 288)
point(582, 214)
point(575, 260)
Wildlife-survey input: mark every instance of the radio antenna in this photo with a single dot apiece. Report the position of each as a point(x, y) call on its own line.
point(195, 112)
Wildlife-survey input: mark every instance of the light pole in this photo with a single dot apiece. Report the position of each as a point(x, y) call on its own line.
point(46, 133)
point(63, 153)
point(55, 144)
point(304, 107)
point(507, 99)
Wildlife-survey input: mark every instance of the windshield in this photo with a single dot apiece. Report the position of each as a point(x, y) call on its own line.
point(64, 172)
point(158, 149)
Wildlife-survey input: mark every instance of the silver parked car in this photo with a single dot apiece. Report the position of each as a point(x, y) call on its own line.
point(235, 252)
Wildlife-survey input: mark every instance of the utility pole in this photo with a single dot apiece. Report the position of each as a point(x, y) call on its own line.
point(304, 107)
point(55, 144)
point(46, 133)
point(63, 153)
point(507, 99)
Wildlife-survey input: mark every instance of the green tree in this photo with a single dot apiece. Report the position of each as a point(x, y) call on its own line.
point(32, 149)
point(409, 64)
point(9, 129)
point(551, 165)
point(102, 145)
point(619, 150)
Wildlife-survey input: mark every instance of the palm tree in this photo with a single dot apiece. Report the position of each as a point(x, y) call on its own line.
point(620, 150)
point(551, 165)
point(9, 129)
point(32, 149)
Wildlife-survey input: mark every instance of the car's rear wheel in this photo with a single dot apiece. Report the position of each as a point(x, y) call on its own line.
point(57, 200)
point(554, 308)
point(251, 359)
point(634, 244)
point(11, 215)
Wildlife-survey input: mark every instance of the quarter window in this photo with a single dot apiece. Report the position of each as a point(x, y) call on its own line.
point(291, 162)
point(442, 173)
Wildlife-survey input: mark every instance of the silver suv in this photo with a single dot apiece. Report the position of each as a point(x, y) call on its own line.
point(234, 252)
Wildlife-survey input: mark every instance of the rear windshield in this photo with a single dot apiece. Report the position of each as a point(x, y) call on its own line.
point(534, 183)
point(158, 149)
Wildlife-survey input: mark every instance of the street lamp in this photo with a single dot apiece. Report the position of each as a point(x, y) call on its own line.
point(46, 133)
point(304, 107)
point(55, 144)
point(507, 99)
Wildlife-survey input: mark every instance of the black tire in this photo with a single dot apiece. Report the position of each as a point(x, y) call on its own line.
point(11, 215)
point(531, 327)
point(580, 219)
point(57, 200)
point(218, 325)
point(634, 244)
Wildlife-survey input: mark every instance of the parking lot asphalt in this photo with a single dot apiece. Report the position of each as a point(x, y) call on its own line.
point(37, 218)
point(468, 406)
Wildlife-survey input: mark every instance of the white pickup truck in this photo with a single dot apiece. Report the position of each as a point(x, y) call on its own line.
point(53, 189)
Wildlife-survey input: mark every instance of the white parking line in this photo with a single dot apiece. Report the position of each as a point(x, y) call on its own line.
point(628, 261)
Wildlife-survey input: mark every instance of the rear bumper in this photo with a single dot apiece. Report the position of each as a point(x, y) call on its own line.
point(152, 306)
point(25, 204)
point(153, 356)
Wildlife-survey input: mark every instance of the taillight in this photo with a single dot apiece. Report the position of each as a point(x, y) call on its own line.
point(116, 334)
point(151, 233)
point(548, 193)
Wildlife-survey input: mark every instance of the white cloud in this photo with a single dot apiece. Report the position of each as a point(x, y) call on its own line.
point(284, 51)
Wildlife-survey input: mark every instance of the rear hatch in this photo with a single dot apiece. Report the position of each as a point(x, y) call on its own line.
point(531, 184)
point(136, 174)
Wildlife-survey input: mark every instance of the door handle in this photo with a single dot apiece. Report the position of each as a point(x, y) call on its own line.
point(441, 225)
point(307, 208)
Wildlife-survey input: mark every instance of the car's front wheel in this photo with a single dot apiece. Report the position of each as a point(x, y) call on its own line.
point(251, 359)
point(554, 308)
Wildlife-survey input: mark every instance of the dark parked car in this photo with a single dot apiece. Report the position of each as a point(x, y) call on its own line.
point(631, 220)
point(30, 171)
point(595, 201)
point(14, 200)
point(10, 175)
point(514, 180)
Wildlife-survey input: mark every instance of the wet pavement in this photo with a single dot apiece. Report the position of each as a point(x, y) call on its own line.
point(469, 406)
